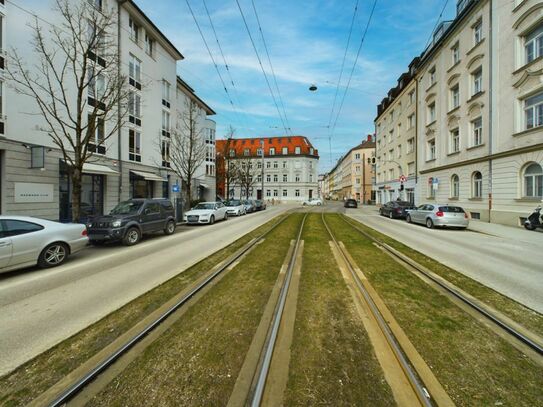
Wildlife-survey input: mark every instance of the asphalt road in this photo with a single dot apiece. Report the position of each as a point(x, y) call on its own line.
point(511, 265)
point(40, 308)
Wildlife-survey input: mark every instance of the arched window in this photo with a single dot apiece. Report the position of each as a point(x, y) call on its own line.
point(477, 185)
point(533, 181)
point(455, 186)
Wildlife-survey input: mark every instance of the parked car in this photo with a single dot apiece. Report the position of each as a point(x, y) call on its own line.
point(132, 219)
point(260, 205)
point(235, 207)
point(206, 212)
point(350, 203)
point(396, 209)
point(313, 202)
point(439, 215)
point(26, 241)
point(250, 206)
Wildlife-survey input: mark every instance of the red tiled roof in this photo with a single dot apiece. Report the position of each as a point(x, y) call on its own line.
point(240, 144)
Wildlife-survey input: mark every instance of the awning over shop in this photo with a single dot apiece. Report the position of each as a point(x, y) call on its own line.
point(98, 169)
point(204, 186)
point(149, 176)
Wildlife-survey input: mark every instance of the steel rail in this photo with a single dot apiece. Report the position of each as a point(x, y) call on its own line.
point(484, 312)
point(414, 380)
point(262, 373)
point(77, 387)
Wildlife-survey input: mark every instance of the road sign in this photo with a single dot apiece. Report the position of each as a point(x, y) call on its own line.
point(403, 178)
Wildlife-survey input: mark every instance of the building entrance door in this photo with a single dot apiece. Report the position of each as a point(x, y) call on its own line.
point(258, 194)
point(310, 193)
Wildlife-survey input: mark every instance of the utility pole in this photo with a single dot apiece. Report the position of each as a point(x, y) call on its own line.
point(262, 172)
point(363, 178)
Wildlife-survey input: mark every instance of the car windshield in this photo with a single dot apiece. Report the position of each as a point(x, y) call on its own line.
point(451, 209)
point(234, 202)
point(204, 206)
point(126, 208)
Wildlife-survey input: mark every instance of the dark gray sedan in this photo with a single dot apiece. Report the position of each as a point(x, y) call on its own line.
point(439, 215)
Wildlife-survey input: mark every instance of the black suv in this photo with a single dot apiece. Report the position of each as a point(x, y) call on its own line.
point(131, 219)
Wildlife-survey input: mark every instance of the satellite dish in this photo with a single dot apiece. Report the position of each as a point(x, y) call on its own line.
point(313, 87)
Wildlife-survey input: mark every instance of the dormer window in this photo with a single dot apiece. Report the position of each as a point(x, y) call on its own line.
point(272, 151)
point(297, 150)
point(134, 30)
point(246, 152)
point(232, 153)
point(285, 150)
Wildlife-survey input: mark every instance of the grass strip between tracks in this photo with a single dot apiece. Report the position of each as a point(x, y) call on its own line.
point(332, 359)
point(197, 360)
point(475, 366)
point(525, 316)
point(34, 377)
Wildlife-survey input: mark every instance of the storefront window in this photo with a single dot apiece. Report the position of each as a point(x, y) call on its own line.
point(140, 187)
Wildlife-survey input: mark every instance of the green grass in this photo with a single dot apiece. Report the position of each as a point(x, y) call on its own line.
point(332, 359)
point(34, 377)
point(474, 365)
point(197, 360)
point(527, 317)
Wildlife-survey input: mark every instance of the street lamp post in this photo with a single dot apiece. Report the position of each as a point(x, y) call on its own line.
point(262, 172)
point(401, 174)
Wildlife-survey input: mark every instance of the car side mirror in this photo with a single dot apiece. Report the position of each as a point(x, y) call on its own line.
point(147, 211)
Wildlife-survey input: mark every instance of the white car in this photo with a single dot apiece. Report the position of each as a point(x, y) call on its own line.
point(235, 207)
point(206, 212)
point(313, 202)
point(26, 241)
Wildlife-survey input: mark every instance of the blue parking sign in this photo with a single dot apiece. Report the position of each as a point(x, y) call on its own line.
point(176, 188)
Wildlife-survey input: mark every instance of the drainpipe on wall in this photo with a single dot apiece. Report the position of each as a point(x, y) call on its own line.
point(490, 111)
point(119, 118)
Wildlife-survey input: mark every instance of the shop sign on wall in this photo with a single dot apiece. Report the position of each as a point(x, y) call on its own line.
point(26, 192)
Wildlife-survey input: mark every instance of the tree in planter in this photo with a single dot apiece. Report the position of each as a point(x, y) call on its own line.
point(76, 83)
point(185, 148)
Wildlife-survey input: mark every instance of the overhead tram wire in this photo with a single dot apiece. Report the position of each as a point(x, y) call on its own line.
point(261, 66)
point(340, 77)
point(226, 66)
point(437, 23)
point(354, 66)
point(271, 67)
point(212, 59)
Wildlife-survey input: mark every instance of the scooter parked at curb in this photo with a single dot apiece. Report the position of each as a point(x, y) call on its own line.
point(534, 220)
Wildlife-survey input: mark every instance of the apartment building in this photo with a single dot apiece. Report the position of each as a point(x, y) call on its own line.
point(353, 175)
point(134, 162)
point(289, 167)
point(396, 141)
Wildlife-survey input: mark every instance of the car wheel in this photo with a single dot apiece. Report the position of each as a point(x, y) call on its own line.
point(429, 223)
point(225, 215)
point(132, 236)
point(390, 216)
point(408, 218)
point(212, 220)
point(529, 226)
point(170, 228)
point(53, 255)
point(381, 212)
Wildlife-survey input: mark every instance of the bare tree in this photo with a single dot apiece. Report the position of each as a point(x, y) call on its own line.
point(76, 83)
point(247, 173)
point(230, 172)
point(186, 147)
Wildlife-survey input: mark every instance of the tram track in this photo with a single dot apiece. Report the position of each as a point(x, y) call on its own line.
point(76, 382)
point(529, 342)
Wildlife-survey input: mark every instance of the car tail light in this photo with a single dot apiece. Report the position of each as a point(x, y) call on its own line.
point(466, 215)
point(399, 210)
point(439, 213)
point(84, 233)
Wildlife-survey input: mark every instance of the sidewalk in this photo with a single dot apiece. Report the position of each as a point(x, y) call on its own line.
point(509, 232)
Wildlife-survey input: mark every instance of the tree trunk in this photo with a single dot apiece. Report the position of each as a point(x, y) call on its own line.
point(76, 195)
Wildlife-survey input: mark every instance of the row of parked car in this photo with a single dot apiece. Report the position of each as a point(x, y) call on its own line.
point(431, 215)
point(26, 241)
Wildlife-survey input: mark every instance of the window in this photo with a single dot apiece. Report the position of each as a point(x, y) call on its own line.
point(477, 185)
point(268, 192)
point(455, 97)
point(96, 86)
point(297, 178)
point(1, 100)
point(431, 154)
point(411, 121)
point(391, 116)
point(134, 72)
point(268, 164)
point(533, 44)
point(357, 156)
point(455, 186)
point(297, 192)
point(390, 135)
point(259, 165)
point(149, 45)
point(533, 181)
point(275, 192)
point(411, 97)
point(134, 145)
point(165, 150)
point(284, 164)
point(533, 111)
point(477, 132)
point(275, 178)
point(411, 145)
point(166, 93)
point(259, 178)
point(285, 178)
point(285, 193)
point(311, 150)
point(17, 227)
point(411, 168)
point(455, 53)
point(285, 150)
point(478, 32)
point(134, 30)
point(432, 76)
point(391, 174)
point(431, 112)
point(272, 151)
point(399, 151)
point(97, 126)
point(455, 141)
point(95, 3)
point(165, 123)
point(259, 152)
point(297, 150)
point(232, 153)
point(477, 78)
point(268, 178)
point(275, 164)
point(246, 152)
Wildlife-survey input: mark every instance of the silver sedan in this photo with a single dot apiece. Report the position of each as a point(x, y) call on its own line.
point(439, 215)
point(27, 241)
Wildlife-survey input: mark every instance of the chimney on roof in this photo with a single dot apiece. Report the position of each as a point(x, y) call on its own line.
point(369, 138)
